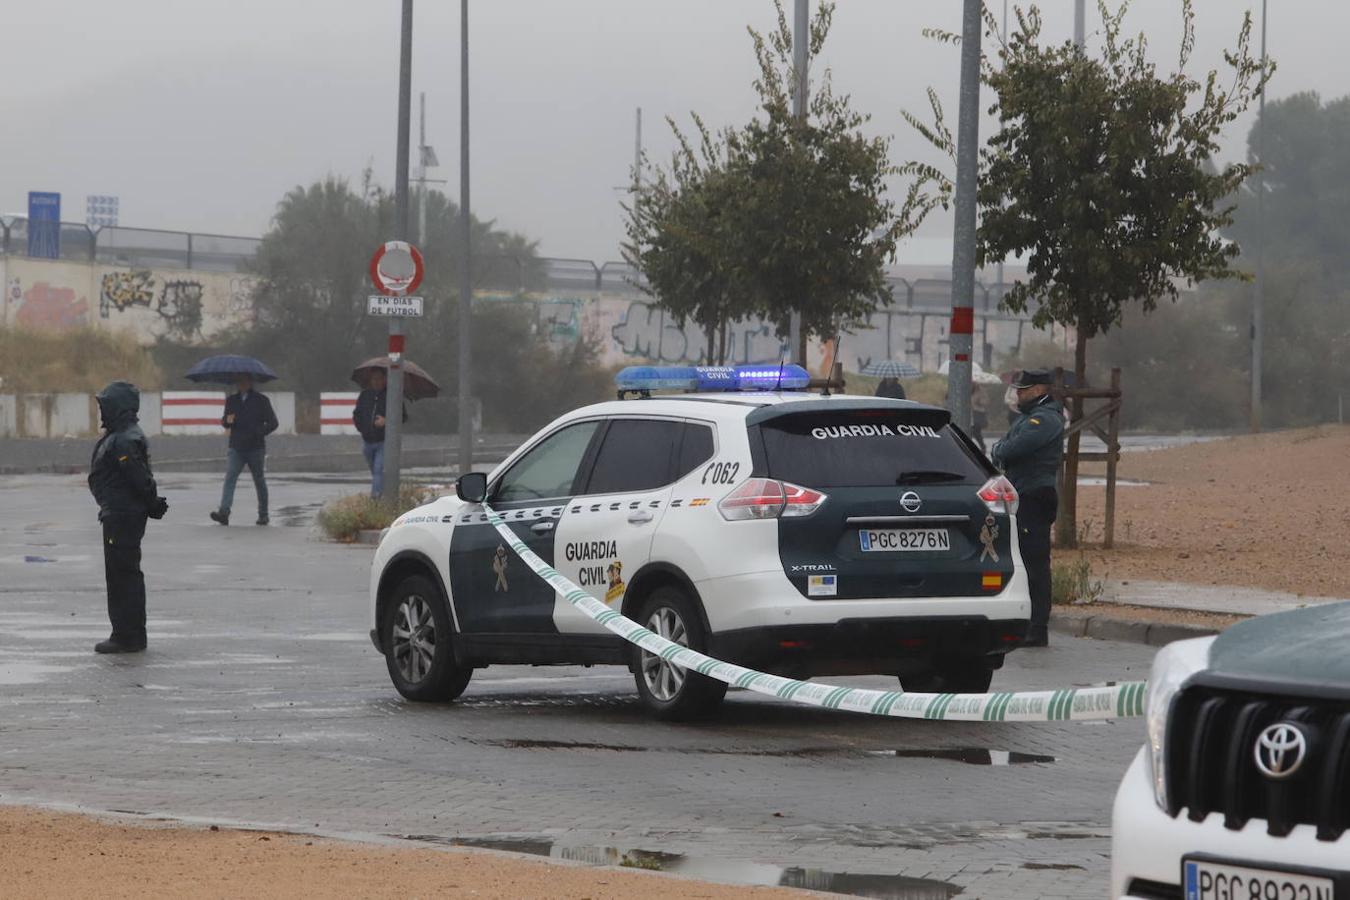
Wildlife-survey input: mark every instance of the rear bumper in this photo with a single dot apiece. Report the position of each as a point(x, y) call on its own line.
point(871, 646)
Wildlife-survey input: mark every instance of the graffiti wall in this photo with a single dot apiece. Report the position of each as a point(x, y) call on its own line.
point(632, 329)
point(183, 304)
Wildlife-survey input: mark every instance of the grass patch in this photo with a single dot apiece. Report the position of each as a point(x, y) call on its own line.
point(344, 518)
point(1072, 583)
point(82, 360)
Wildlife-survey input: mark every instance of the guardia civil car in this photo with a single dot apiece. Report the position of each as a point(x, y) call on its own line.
point(796, 533)
point(1243, 789)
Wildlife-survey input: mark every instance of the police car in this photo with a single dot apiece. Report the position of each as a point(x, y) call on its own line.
point(1243, 787)
point(795, 533)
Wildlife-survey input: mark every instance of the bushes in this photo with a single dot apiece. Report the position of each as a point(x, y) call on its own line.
point(81, 360)
point(344, 518)
point(1072, 582)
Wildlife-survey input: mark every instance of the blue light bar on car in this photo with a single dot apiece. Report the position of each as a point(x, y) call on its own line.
point(765, 377)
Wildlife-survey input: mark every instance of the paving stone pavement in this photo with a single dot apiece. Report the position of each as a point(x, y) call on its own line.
point(262, 701)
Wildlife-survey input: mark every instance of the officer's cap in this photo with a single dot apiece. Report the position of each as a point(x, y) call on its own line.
point(1032, 377)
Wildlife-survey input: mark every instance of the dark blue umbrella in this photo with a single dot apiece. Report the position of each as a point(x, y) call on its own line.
point(225, 369)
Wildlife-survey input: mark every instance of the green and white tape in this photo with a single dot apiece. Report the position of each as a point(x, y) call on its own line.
point(1116, 701)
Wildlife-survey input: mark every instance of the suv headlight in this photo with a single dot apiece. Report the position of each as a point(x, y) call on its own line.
point(1171, 667)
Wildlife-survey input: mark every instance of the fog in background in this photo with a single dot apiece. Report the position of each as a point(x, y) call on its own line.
point(201, 115)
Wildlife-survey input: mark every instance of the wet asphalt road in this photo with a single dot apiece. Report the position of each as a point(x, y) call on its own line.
point(262, 701)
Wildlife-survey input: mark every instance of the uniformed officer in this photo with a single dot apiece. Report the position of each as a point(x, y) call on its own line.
point(1030, 454)
point(121, 482)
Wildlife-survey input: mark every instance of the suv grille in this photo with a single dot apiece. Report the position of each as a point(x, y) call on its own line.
point(1211, 761)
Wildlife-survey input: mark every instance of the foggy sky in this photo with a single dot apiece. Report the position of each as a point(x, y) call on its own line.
point(201, 115)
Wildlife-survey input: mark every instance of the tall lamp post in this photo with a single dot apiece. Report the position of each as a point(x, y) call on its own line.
point(801, 62)
point(962, 330)
point(1259, 289)
point(466, 236)
point(393, 415)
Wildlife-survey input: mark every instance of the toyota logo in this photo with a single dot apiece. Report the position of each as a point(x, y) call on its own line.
point(910, 501)
point(1280, 750)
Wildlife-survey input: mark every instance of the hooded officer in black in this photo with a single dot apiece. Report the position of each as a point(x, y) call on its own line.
point(1030, 454)
point(121, 482)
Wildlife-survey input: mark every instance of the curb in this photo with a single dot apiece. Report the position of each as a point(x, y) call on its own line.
point(1107, 628)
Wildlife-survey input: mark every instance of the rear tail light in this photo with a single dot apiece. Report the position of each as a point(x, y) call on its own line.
point(999, 495)
point(769, 498)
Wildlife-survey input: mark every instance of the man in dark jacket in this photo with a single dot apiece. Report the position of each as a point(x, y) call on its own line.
point(368, 417)
point(121, 482)
point(1030, 454)
point(248, 419)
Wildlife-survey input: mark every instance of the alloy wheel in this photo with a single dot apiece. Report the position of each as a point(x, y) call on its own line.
point(664, 679)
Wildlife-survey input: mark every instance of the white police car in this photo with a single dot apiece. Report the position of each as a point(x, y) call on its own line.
point(796, 533)
point(1243, 789)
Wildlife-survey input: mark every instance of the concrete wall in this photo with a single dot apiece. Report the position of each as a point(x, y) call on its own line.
point(148, 303)
point(76, 415)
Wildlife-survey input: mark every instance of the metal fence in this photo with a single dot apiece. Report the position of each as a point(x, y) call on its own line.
point(152, 248)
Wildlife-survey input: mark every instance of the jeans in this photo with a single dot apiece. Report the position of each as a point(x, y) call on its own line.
point(375, 459)
point(1036, 512)
point(122, 533)
point(235, 460)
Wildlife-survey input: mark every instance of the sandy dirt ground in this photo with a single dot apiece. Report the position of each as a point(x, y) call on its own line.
point(1265, 511)
point(58, 855)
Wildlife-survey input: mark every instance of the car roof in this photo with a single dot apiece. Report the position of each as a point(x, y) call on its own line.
point(737, 405)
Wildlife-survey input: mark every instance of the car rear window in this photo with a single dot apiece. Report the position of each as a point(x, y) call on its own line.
point(862, 448)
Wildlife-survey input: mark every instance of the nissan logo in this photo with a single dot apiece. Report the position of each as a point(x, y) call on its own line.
point(1280, 750)
point(910, 501)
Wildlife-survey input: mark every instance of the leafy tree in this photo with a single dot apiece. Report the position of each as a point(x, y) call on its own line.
point(782, 214)
point(1100, 176)
point(310, 301)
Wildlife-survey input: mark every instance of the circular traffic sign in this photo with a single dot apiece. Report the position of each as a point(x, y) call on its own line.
point(396, 268)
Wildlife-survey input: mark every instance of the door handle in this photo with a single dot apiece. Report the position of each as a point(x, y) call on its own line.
point(542, 527)
point(640, 517)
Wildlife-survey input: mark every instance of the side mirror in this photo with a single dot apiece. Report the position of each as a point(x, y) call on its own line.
point(472, 487)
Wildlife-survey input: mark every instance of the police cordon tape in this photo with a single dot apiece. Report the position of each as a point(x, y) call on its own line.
point(1116, 701)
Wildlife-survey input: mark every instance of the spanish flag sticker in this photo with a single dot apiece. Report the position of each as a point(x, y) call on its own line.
point(992, 581)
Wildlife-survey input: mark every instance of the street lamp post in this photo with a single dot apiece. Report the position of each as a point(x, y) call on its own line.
point(466, 235)
point(961, 332)
point(801, 61)
point(1259, 289)
point(393, 408)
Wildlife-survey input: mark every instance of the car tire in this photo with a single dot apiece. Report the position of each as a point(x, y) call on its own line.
point(967, 677)
point(416, 632)
point(669, 692)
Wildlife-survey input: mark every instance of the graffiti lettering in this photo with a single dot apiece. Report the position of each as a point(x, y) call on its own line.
point(180, 304)
point(123, 290)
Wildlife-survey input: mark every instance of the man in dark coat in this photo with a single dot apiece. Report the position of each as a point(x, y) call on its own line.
point(121, 482)
point(248, 419)
point(1030, 454)
point(368, 417)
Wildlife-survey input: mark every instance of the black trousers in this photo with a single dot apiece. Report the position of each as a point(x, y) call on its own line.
point(122, 533)
point(1036, 512)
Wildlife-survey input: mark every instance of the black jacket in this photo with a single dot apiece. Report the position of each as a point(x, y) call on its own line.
point(369, 404)
point(253, 421)
point(119, 473)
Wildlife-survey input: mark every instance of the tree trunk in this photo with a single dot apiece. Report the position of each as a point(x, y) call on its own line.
point(711, 331)
point(722, 344)
point(1066, 528)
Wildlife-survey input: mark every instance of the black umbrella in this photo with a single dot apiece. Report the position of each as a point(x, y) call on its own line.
point(227, 368)
point(417, 384)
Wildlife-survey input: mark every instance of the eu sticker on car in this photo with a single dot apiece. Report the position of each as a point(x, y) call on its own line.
point(1219, 881)
point(888, 540)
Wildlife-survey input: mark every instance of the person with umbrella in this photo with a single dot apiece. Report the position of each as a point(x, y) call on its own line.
point(248, 419)
point(890, 372)
point(369, 414)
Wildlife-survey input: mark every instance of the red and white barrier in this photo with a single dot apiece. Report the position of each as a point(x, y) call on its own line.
point(335, 412)
point(192, 412)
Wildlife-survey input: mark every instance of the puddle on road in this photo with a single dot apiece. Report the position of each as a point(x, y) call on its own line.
point(975, 756)
point(29, 673)
point(726, 871)
point(297, 516)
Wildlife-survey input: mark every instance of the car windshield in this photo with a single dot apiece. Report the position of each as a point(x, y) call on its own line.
point(867, 448)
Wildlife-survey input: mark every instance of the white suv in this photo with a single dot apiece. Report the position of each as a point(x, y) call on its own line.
point(795, 533)
point(1243, 790)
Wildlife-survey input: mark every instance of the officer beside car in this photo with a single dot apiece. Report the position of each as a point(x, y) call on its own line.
point(121, 482)
point(1030, 455)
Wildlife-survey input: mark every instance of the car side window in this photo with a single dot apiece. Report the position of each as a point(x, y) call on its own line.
point(636, 455)
point(549, 469)
point(696, 449)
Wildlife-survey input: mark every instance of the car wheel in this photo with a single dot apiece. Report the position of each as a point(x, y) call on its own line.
point(416, 632)
point(673, 693)
point(968, 677)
